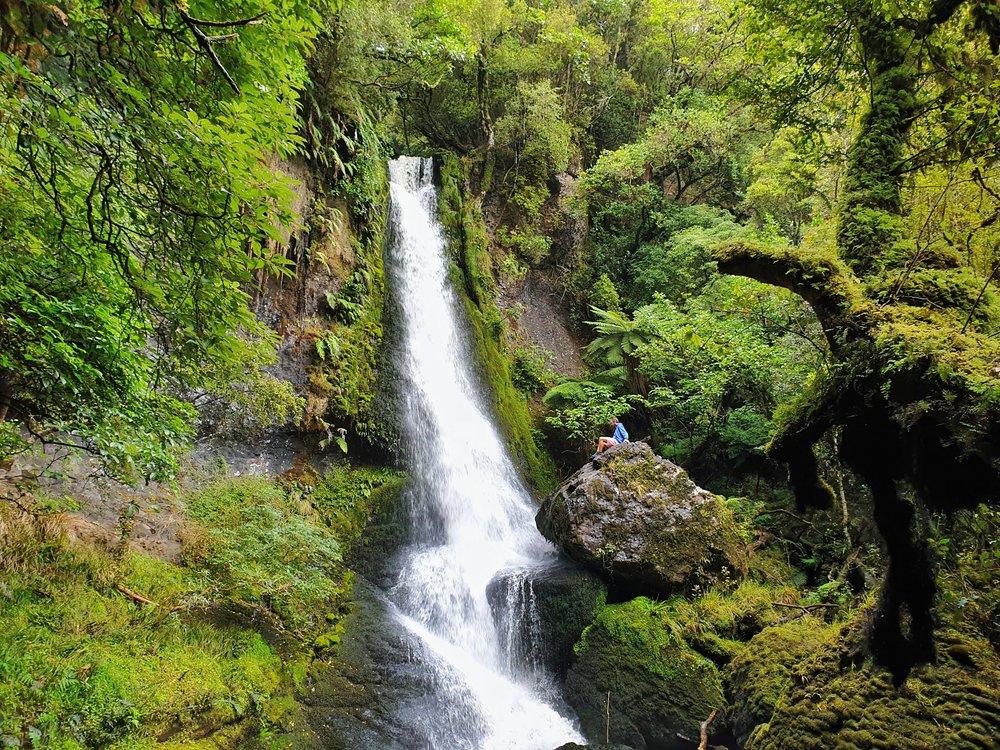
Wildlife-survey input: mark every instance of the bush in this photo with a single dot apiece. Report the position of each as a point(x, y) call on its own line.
point(603, 294)
point(530, 371)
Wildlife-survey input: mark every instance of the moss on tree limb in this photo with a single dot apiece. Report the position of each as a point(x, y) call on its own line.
point(823, 281)
point(917, 406)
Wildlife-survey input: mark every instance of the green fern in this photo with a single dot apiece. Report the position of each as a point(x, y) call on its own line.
point(618, 340)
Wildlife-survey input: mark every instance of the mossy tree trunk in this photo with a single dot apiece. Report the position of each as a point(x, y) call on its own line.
point(871, 220)
point(908, 429)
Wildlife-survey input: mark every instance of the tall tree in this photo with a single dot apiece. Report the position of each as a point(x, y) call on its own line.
point(914, 385)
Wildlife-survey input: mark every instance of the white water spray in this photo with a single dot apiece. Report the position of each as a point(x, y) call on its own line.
point(473, 519)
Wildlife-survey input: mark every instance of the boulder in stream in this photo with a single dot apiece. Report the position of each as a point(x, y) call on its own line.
point(640, 520)
point(541, 613)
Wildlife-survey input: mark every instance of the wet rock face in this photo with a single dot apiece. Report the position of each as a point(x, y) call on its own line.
point(638, 519)
point(354, 700)
point(552, 606)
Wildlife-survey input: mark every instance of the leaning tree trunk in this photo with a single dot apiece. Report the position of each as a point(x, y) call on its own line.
point(867, 388)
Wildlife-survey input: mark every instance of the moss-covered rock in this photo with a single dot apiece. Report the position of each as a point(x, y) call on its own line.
point(365, 506)
point(634, 680)
point(568, 600)
point(807, 685)
point(350, 701)
point(638, 518)
point(762, 672)
point(718, 623)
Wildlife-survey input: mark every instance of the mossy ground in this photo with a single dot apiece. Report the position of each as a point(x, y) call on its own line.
point(804, 693)
point(83, 665)
point(811, 682)
point(215, 663)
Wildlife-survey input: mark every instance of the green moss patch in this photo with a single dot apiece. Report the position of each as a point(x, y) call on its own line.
point(658, 686)
point(82, 664)
point(794, 683)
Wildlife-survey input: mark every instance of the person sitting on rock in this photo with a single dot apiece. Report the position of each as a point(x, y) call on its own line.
point(619, 437)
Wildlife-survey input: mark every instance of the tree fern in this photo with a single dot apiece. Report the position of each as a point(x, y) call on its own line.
point(618, 338)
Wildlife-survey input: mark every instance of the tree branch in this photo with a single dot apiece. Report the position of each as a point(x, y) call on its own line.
point(138, 598)
point(205, 42)
point(986, 285)
point(703, 745)
point(824, 282)
point(258, 19)
point(940, 12)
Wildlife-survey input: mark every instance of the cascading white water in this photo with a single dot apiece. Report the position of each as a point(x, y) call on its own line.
point(472, 517)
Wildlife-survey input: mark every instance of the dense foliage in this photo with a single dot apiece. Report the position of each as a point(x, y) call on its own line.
point(106, 646)
point(774, 228)
point(138, 208)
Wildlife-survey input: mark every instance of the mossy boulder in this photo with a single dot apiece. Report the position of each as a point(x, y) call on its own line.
point(635, 681)
point(574, 746)
point(640, 520)
point(387, 530)
point(808, 685)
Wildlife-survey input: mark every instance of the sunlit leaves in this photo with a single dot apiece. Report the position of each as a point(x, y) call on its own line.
point(140, 202)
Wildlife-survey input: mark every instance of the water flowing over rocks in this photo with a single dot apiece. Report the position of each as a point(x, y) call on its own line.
point(470, 519)
point(561, 602)
point(638, 519)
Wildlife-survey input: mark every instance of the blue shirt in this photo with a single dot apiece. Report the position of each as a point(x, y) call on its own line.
point(620, 434)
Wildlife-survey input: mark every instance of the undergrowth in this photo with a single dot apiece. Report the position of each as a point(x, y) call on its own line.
point(215, 655)
point(84, 665)
point(263, 549)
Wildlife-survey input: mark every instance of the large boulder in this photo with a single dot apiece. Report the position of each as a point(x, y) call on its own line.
point(640, 520)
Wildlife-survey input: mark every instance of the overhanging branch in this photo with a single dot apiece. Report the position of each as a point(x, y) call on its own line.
point(822, 281)
point(205, 41)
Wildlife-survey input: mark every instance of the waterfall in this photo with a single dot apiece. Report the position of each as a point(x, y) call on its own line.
point(473, 520)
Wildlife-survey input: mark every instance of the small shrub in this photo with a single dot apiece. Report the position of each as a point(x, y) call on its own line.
point(603, 294)
point(530, 371)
